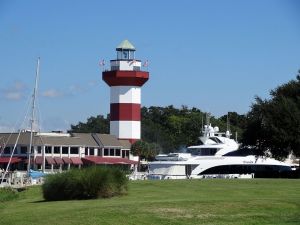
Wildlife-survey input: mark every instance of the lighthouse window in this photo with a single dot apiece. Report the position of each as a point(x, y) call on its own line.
point(136, 68)
point(125, 55)
point(115, 67)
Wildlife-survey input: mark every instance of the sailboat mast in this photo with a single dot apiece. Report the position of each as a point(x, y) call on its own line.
point(32, 120)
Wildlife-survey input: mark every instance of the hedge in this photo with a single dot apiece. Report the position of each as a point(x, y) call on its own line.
point(88, 183)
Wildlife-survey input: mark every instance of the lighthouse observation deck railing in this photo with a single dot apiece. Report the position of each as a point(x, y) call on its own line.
point(133, 65)
point(135, 68)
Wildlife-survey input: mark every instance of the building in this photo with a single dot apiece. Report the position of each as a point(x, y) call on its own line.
point(54, 152)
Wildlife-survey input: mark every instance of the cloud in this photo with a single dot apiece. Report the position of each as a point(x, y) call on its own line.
point(15, 92)
point(73, 89)
point(11, 95)
point(93, 83)
point(52, 93)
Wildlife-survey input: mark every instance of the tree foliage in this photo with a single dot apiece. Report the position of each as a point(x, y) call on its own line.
point(173, 129)
point(144, 150)
point(274, 125)
point(97, 124)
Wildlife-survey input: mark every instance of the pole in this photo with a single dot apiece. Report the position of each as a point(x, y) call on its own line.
point(33, 114)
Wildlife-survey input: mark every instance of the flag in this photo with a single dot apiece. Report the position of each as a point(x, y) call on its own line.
point(102, 62)
point(133, 61)
point(146, 63)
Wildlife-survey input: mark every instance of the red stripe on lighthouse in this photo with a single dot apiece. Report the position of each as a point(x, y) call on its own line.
point(125, 111)
point(125, 78)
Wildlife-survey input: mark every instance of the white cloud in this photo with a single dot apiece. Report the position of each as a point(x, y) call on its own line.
point(10, 95)
point(15, 92)
point(52, 93)
point(93, 83)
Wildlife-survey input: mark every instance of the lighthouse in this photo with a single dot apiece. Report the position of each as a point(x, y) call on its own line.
point(125, 79)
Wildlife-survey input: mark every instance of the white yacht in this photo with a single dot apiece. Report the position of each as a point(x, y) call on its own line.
point(217, 155)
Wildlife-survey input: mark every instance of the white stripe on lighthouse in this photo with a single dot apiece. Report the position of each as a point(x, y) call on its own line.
point(126, 129)
point(125, 94)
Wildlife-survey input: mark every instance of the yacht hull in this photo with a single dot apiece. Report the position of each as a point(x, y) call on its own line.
point(217, 166)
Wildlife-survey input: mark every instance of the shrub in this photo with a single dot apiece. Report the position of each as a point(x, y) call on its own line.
point(8, 194)
point(88, 183)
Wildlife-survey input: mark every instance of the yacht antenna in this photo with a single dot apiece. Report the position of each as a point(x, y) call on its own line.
point(207, 118)
point(228, 123)
point(32, 120)
point(202, 128)
point(228, 127)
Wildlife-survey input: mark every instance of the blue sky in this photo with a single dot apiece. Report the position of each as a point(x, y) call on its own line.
point(213, 55)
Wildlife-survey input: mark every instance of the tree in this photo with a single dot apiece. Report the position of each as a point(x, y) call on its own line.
point(236, 121)
point(97, 124)
point(274, 125)
point(144, 150)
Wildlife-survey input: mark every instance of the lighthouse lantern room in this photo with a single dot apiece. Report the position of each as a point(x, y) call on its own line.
point(125, 79)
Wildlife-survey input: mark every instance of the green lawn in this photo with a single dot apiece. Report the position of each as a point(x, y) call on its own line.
point(255, 201)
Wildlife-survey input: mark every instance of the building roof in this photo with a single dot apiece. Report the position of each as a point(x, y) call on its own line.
point(125, 144)
point(57, 139)
point(125, 45)
point(105, 140)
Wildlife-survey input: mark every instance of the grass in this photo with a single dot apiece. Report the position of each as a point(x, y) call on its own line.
point(8, 194)
point(255, 201)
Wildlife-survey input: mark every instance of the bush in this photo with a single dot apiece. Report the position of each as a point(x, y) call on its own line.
point(88, 183)
point(8, 194)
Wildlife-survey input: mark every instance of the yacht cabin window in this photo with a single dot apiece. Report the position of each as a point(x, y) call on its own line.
point(202, 151)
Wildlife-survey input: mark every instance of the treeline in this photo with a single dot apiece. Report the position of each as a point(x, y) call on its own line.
point(168, 128)
point(272, 125)
point(173, 129)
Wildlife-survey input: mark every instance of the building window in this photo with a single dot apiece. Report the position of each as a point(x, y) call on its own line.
point(112, 152)
point(39, 149)
point(65, 150)
point(86, 151)
point(23, 149)
point(99, 151)
point(118, 152)
point(56, 150)
point(7, 150)
point(106, 151)
point(74, 150)
point(92, 151)
point(48, 149)
point(125, 154)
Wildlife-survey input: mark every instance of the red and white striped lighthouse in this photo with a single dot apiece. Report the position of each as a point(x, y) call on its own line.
point(125, 79)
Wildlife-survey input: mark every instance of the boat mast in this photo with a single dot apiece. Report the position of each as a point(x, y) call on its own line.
point(32, 120)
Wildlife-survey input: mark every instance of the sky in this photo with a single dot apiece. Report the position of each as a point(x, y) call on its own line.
point(214, 55)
